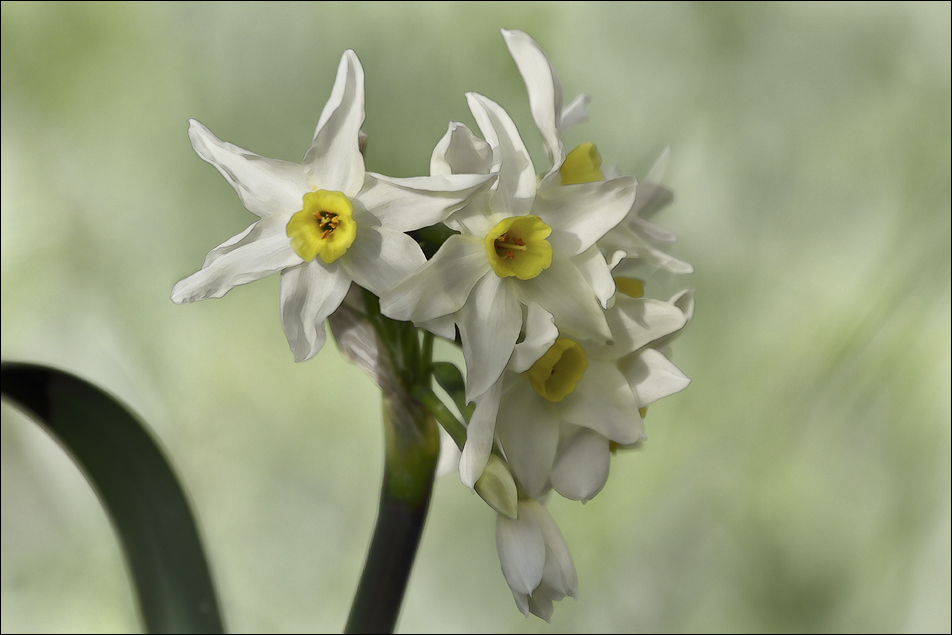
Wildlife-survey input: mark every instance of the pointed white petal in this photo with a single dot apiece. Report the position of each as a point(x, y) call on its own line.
point(636, 322)
point(449, 455)
point(684, 300)
point(461, 152)
point(575, 112)
point(521, 549)
point(475, 218)
point(541, 334)
point(309, 294)
point(649, 230)
point(565, 293)
point(517, 179)
point(442, 285)
point(444, 327)
point(522, 602)
point(489, 324)
point(381, 257)
point(259, 251)
point(581, 465)
point(604, 402)
point(479, 436)
point(540, 604)
point(265, 186)
point(582, 213)
point(334, 158)
point(558, 551)
point(592, 264)
point(528, 433)
point(543, 88)
point(653, 376)
point(412, 203)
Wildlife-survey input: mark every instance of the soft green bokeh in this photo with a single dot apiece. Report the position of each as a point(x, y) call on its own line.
point(801, 482)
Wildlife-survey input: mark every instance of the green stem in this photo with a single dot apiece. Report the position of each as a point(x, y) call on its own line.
point(443, 414)
point(412, 443)
point(412, 450)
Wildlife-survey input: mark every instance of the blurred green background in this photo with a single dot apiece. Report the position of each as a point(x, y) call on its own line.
point(802, 482)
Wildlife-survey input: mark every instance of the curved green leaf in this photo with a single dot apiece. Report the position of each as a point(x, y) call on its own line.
point(137, 488)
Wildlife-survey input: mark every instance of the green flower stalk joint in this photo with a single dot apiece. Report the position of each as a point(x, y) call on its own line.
point(540, 279)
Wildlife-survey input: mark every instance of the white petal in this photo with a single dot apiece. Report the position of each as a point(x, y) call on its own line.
point(259, 251)
point(449, 455)
point(636, 322)
point(575, 112)
point(309, 294)
point(475, 218)
point(684, 300)
point(604, 402)
point(521, 549)
point(652, 377)
point(647, 229)
point(540, 604)
point(442, 285)
point(461, 152)
point(529, 435)
point(541, 334)
point(381, 257)
point(265, 186)
point(412, 203)
point(543, 88)
point(581, 465)
point(444, 327)
point(355, 336)
point(557, 550)
point(563, 291)
point(656, 195)
point(489, 324)
point(522, 602)
point(479, 436)
point(582, 213)
point(592, 264)
point(334, 157)
point(517, 179)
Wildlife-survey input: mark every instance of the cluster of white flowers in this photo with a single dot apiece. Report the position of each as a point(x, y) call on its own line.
point(542, 281)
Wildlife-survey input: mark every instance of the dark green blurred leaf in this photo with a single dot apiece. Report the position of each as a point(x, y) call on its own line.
point(137, 488)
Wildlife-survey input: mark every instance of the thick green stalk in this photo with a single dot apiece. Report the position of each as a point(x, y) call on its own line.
point(412, 450)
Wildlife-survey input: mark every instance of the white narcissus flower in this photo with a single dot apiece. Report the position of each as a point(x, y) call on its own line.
point(535, 560)
point(325, 222)
point(555, 422)
point(634, 239)
point(517, 245)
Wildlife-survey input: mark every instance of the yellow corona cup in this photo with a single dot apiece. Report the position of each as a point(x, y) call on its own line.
point(518, 247)
point(582, 165)
point(324, 227)
point(557, 372)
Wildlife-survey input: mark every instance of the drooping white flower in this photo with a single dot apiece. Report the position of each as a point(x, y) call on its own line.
point(555, 421)
point(323, 223)
point(535, 560)
point(518, 244)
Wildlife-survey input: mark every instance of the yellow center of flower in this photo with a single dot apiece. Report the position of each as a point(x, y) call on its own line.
point(557, 372)
point(324, 227)
point(581, 165)
point(518, 247)
point(630, 286)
